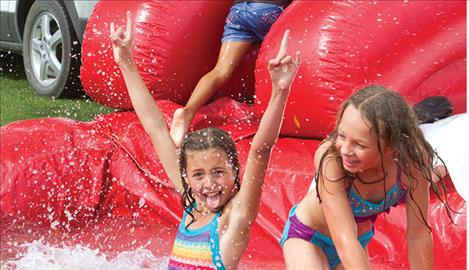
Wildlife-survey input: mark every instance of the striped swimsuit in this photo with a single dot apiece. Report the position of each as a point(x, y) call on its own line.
point(198, 248)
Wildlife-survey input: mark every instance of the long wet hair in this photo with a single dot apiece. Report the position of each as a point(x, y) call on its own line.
point(200, 140)
point(393, 122)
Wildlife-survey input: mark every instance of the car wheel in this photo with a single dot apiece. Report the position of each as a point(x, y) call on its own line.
point(51, 52)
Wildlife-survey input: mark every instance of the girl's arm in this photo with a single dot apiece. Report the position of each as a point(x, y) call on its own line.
point(282, 71)
point(245, 204)
point(146, 108)
point(337, 211)
point(419, 237)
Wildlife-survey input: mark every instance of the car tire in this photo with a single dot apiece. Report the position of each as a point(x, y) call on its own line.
point(51, 51)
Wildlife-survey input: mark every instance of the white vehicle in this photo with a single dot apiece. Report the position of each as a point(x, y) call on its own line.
point(48, 33)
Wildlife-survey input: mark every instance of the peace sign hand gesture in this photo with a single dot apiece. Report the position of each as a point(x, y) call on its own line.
point(122, 42)
point(283, 68)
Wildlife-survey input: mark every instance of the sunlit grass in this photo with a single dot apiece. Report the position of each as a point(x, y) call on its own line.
point(18, 100)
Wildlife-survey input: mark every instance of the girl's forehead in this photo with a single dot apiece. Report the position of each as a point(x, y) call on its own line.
point(354, 123)
point(209, 157)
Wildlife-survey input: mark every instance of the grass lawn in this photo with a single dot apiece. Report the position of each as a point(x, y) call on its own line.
point(18, 100)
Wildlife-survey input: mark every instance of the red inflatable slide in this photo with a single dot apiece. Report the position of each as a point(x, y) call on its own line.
point(176, 43)
point(417, 48)
point(99, 184)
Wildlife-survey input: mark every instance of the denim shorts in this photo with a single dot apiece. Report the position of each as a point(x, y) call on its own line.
point(250, 21)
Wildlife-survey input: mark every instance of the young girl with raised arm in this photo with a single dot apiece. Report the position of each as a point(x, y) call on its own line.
point(218, 209)
point(376, 157)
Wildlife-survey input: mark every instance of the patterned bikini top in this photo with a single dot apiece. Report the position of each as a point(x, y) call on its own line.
point(364, 210)
point(196, 249)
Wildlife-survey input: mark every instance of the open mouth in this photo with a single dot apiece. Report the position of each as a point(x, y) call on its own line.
point(213, 199)
point(349, 163)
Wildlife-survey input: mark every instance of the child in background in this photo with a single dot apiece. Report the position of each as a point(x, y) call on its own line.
point(447, 135)
point(375, 158)
point(247, 23)
point(218, 209)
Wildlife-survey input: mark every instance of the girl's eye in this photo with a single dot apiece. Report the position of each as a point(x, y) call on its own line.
point(360, 146)
point(341, 136)
point(197, 175)
point(219, 173)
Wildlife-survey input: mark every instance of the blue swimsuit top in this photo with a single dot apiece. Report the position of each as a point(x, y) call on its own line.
point(365, 210)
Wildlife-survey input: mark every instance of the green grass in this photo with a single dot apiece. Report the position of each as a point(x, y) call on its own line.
point(18, 100)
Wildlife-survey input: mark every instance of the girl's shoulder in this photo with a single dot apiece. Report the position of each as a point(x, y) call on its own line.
point(324, 156)
point(410, 177)
point(322, 149)
point(327, 163)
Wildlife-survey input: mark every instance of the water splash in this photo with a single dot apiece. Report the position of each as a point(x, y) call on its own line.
point(41, 256)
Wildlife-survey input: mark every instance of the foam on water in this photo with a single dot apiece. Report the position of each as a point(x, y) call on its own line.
point(41, 256)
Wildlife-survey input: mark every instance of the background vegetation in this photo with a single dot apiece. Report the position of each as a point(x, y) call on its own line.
point(18, 100)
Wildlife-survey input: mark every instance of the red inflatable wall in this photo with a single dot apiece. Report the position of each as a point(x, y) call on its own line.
point(175, 44)
point(413, 47)
point(51, 169)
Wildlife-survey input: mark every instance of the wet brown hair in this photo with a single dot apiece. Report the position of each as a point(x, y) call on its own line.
point(200, 140)
point(393, 122)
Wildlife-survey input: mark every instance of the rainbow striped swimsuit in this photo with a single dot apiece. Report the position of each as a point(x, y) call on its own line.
point(196, 249)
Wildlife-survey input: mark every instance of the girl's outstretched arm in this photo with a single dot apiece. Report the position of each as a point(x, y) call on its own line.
point(246, 203)
point(146, 108)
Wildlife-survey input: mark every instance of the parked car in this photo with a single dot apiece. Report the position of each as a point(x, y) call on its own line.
point(48, 33)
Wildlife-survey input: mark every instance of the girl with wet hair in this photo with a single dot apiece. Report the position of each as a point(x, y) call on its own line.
point(201, 140)
point(218, 210)
point(376, 157)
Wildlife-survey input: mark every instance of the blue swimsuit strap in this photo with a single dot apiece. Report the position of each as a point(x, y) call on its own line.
point(213, 222)
point(395, 186)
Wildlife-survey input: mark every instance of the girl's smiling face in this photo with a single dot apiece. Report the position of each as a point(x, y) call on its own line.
point(356, 142)
point(210, 175)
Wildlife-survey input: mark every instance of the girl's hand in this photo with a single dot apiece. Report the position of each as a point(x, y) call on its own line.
point(122, 42)
point(283, 68)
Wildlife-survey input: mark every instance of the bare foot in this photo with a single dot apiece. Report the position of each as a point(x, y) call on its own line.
point(181, 121)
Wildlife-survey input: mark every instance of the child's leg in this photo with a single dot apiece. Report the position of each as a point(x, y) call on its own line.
point(299, 250)
point(300, 254)
point(231, 54)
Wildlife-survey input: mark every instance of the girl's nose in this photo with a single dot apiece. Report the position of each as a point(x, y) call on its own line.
point(210, 187)
point(346, 149)
point(209, 182)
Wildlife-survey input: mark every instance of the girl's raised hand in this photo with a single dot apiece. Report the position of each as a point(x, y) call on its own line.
point(122, 41)
point(283, 68)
